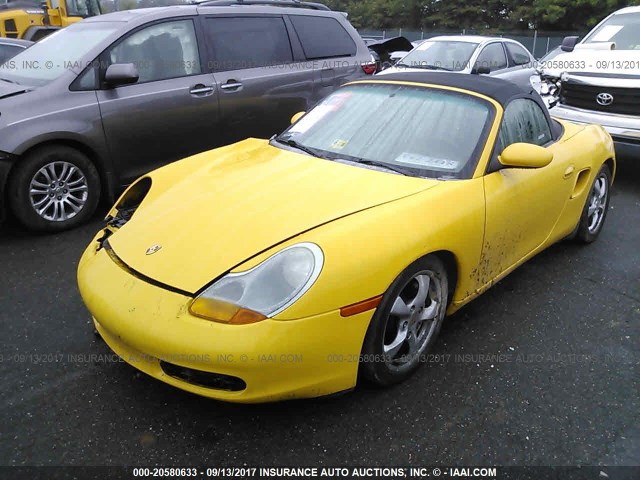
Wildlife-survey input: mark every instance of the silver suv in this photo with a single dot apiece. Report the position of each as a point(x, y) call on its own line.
point(93, 106)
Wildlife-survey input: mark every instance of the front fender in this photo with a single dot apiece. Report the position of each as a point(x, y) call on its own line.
point(53, 113)
point(607, 148)
point(364, 252)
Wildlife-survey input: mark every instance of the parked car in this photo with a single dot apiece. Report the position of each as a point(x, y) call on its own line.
point(10, 47)
point(396, 56)
point(95, 105)
point(369, 40)
point(495, 56)
point(383, 50)
point(277, 269)
point(535, 80)
point(596, 80)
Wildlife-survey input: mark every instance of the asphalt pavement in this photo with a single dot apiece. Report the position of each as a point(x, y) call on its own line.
point(543, 369)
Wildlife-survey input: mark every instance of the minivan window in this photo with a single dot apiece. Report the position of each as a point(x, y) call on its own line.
point(88, 80)
point(248, 42)
point(323, 37)
point(160, 51)
point(63, 50)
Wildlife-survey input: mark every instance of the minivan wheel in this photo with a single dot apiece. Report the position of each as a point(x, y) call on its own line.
point(54, 188)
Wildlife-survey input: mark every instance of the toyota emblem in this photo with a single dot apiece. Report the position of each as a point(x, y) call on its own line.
point(153, 249)
point(604, 99)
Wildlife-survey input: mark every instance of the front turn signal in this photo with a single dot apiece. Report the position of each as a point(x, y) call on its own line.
point(223, 312)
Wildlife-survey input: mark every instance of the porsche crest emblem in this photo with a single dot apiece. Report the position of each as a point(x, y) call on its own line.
point(153, 249)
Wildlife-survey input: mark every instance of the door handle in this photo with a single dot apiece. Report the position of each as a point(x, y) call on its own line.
point(199, 89)
point(231, 85)
point(568, 172)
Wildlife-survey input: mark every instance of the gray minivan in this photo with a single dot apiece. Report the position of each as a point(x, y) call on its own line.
point(93, 106)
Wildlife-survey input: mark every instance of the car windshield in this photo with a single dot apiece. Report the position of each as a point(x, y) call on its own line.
point(49, 58)
point(623, 29)
point(419, 131)
point(440, 54)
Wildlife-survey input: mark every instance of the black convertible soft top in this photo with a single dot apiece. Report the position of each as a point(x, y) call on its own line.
point(502, 91)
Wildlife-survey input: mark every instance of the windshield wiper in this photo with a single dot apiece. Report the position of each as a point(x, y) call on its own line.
point(386, 166)
point(423, 66)
point(9, 81)
point(292, 143)
point(317, 153)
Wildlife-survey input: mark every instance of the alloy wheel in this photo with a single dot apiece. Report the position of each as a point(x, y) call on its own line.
point(597, 203)
point(58, 191)
point(413, 320)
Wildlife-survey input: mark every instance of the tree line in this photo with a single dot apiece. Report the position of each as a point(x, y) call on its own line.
point(479, 15)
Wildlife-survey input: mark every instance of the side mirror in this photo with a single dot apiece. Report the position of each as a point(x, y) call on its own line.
point(525, 155)
point(296, 117)
point(480, 70)
point(121, 74)
point(568, 43)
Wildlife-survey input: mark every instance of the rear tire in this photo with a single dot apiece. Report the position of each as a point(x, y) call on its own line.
point(595, 209)
point(406, 323)
point(54, 188)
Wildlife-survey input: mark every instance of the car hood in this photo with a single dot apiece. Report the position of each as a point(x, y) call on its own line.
point(220, 208)
point(599, 61)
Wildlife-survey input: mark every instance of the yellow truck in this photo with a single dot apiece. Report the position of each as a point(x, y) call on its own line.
point(31, 20)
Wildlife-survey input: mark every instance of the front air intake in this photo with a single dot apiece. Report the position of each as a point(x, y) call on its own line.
point(217, 381)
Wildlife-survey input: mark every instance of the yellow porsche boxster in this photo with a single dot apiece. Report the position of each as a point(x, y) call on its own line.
point(278, 269)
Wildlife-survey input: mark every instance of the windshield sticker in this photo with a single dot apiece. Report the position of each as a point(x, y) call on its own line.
point(331, 104)
point(337, 100)
point(311, 118)
point(606, 33)
point(339, 144)
point(422, 161)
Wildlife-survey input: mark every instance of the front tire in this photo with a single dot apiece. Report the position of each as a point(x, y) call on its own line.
point(406, 323)
point(54, 188)
point(595, 210)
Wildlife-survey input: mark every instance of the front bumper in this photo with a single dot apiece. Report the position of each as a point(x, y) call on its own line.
point(624, 129)
point(276, 359)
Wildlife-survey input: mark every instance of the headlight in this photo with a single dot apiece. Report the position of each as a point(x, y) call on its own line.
point(549, 90)
point(263, 291)
point(535, 82)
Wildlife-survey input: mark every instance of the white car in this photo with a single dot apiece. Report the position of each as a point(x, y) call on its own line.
point(495, 56)
point(10, 47)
